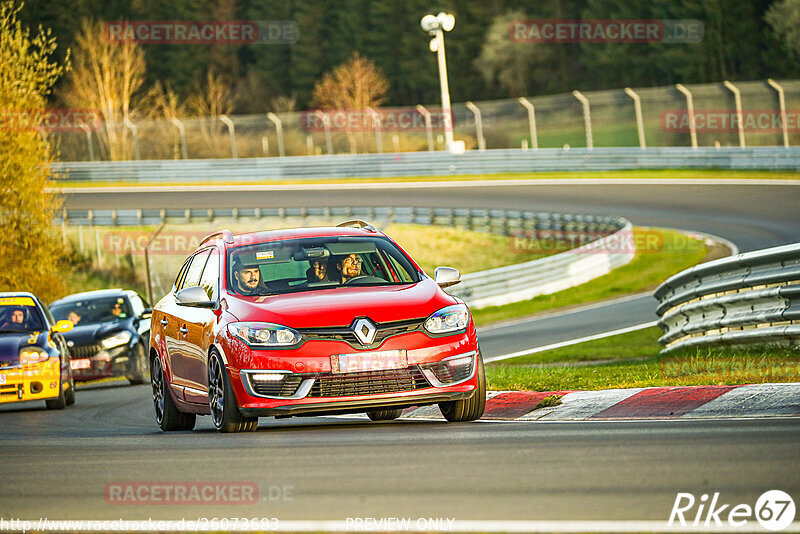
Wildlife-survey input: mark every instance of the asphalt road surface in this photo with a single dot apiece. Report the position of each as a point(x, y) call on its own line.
point(60, 464)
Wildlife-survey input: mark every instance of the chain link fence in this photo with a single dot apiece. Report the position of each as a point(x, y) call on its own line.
point(556, 121)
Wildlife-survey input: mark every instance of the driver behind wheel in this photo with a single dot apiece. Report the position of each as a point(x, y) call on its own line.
point(349, 267)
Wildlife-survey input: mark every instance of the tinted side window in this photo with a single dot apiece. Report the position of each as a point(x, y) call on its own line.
point(195, 270)
point(210, 279)
point(182, 273)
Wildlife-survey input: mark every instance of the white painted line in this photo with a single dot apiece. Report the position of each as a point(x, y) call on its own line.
point(193, 188)
point(570, 342)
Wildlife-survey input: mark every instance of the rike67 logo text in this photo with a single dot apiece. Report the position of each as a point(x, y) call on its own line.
point(773, 510)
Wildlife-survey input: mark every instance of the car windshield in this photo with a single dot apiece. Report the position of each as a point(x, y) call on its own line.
point(91, 310)
point(317, 263)
point(19, 314)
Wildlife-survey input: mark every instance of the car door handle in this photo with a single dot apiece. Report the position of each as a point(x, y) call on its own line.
point(184, 330)
point(164, 322)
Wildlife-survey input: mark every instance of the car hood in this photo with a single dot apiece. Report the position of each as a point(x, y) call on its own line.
point(92, 333)
point(339, 306)
point(10, 343)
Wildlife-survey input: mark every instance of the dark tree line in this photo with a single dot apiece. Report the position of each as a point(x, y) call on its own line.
point(739, 44)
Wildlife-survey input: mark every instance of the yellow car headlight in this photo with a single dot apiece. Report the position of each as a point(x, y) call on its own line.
point(29, 355)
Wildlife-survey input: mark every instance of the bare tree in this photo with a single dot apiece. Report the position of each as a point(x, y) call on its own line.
point(353, 86)
point(105, 76)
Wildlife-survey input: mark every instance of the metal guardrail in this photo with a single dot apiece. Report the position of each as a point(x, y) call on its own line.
point(429, 164)
point(608, 240)
point(749, 298)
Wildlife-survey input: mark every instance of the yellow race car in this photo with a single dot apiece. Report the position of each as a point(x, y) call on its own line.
point(34, 358)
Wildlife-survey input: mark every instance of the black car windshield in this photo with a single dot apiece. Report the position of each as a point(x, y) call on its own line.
point(91, 310)
point(19, 314)
point(317, 263)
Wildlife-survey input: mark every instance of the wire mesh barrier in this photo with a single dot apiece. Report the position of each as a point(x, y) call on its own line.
point(595, 244)
point(751, 298)
point(608, 120)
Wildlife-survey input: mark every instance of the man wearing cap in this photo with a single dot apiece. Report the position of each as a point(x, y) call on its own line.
point(248, 278)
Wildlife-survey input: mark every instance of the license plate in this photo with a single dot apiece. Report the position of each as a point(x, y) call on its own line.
point(80, 364)
point(2, 379)
point(369, 361)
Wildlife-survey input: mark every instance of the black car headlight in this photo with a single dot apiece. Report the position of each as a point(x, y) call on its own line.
point(448, 319)
point(260, 335)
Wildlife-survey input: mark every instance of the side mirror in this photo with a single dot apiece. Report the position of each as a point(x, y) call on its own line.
point(62, 327)
point(446, 276)
point(195, 297)
point(147, 313)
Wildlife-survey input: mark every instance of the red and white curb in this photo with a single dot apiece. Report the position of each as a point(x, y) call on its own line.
point(758, 400)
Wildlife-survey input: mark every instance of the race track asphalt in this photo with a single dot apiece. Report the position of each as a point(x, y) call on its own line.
point(58, 464)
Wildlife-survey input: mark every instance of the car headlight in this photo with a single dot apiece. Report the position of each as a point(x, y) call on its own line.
point(120, 338)
point(448, 319)
point(265, 334)
point(29, 355)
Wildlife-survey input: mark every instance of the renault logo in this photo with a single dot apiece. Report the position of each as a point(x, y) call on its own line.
point(365, 331)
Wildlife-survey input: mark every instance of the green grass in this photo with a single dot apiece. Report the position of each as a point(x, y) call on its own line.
point(686, 367)
point(599, 175)
point(647, 270)
point(434, 246)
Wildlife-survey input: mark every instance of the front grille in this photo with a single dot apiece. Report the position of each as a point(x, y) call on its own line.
point(368, 383)
point(84, 351)
point(383, 331)
point(283, 388)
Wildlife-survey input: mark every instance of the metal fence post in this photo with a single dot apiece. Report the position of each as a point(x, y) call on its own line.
point(182, 133)
point(86, 129)
point(587, 118)
point(135, 133)
point(378, 137)
point(232, 132)
point(637, 107)
point(690, 109)
point(782, 104)
point(531, 120)
point(478, 125)
point(326, 122)
point(279, 129)
point(428, 127)
point(737, 98)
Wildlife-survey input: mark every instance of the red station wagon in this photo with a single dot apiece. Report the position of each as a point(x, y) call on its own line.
point(306, 322)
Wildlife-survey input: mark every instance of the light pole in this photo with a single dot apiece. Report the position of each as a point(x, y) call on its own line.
point(436, 26)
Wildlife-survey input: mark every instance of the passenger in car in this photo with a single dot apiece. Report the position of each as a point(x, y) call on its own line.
point(318, 272)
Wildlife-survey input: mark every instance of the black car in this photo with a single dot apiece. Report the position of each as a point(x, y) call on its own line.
point(111, 334)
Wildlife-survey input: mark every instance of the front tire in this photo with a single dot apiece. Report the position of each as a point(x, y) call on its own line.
point(468, 409)
point(225, 412)
point(385, 415)
point(60, 402)
point(168, 416)
point(139, 367)
point(69, 395)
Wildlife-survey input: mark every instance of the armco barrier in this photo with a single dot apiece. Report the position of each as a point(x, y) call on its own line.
point(429, 164)
point(610, 240)
point(749, 298)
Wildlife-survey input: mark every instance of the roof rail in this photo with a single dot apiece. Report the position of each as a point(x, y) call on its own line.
point(226, 235)
point(358, 223)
